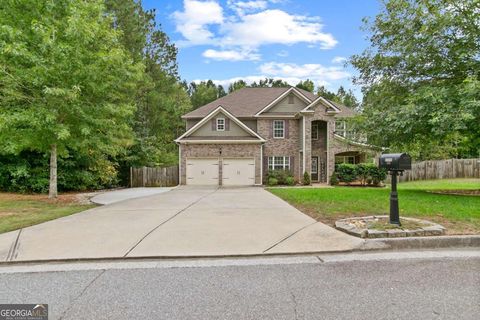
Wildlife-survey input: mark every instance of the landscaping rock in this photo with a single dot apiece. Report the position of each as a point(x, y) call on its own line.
point(378, 227)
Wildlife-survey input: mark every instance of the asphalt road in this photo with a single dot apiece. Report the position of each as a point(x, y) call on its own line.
point(407, 285)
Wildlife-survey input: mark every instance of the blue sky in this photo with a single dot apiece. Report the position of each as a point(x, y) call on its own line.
point(253, 39)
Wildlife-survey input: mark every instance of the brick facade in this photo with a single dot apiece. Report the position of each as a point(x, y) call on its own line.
point(288, 147)
point(325, 147)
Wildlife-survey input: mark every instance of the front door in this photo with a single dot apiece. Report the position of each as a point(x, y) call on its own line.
point(314, 168)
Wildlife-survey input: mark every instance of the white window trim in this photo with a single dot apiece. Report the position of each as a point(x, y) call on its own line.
point(316, 126)
point(341, 131)
point(345, 159)
point(316, 167)
point(285, 165)
point(283, 129)
point(223, 124)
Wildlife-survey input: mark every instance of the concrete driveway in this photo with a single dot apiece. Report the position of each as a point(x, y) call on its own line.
point(186, 221)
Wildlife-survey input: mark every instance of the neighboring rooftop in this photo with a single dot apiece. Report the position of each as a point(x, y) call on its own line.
point(246, 102)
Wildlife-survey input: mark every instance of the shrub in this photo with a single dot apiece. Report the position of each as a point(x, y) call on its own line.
point(334, 179)
point(280, 175)
point(306, 179)
point(290, 181)
point(378, 175)
point(346, 172)
point(365, 171)
point(272, 181)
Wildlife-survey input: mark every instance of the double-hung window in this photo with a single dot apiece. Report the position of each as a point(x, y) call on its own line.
point(278, 163)
point(340, 128)
point(220, 124)
point(315, 131)
point(278, 129)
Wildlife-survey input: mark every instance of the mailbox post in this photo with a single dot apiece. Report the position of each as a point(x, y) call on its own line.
point(395, 163)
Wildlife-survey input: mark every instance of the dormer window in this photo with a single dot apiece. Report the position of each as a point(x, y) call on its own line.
point(220, 124)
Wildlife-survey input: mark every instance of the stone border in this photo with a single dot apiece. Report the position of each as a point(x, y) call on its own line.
point(430, 229)
point(415, 243)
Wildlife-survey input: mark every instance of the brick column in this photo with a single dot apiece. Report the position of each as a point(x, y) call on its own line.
point(308, 144)
point(330, 148)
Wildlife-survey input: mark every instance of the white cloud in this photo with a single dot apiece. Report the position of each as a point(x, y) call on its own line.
point(230, 55)
point(276, 27)
point(252, 26)
point(193, 21)
point(256, 78)
point(312, 71)
point(242, 7)
point(339, 60)
point(293, 74)
point(283, 53)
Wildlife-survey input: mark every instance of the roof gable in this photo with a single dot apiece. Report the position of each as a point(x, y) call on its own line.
point(208, 129)
point(291, 90)
point(331, 108)
point(220, 110)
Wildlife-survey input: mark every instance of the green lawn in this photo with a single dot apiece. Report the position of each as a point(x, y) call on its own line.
point(19, 211)
point(459, 214)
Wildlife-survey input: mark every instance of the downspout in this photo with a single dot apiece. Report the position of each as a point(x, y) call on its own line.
point(303, 147)
point(328, 152)
point(261, 164)
point(179, 164)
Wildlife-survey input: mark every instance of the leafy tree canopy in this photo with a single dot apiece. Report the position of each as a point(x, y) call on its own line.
point(66, 81)
point(236, 86)
point(306, 85)
point(421, 77)
point(204, 92)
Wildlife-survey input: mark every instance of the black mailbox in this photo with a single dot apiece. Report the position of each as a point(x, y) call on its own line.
point(395, 161)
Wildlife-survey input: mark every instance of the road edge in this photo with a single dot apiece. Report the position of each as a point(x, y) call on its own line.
point(386, 244)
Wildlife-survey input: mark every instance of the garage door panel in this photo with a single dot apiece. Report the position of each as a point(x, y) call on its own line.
point(202, 171)
point(238, 172)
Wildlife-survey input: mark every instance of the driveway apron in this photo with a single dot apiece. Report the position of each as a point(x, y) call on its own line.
point(186, 221)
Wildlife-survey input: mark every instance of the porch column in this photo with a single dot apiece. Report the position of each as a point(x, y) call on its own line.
point(308, 144)
point(330, 148)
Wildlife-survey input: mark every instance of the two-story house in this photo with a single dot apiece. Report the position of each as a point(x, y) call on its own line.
point(237, 139)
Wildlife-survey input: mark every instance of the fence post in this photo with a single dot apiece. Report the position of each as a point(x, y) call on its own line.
point(131, 177)
point(144, 176)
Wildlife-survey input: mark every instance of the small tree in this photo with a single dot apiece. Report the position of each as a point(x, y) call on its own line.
point(306, 179)
point(334, 179)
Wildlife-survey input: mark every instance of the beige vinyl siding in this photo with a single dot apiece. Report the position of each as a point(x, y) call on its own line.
point(283, 106)
point(191, 122)
point(252, 124)
point(206, 129)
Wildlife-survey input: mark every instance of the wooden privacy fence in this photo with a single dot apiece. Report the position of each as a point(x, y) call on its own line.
point(443, 169)
point(154, 177)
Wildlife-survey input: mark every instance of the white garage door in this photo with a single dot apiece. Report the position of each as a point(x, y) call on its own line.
point(238, 172)
point(202, 171)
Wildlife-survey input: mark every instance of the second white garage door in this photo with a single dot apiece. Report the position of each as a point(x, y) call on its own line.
point(238, 172)
point(202, 171)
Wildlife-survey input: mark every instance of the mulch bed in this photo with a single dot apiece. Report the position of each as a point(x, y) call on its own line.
point(458, 192)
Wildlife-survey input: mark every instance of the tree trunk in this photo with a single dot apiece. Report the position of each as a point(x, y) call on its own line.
point(52, 193)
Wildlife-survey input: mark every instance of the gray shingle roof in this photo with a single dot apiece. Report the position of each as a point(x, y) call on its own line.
point(241, 103)
point(246, 102)
point(193, 138)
